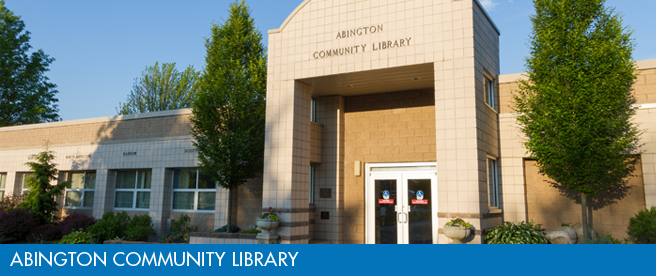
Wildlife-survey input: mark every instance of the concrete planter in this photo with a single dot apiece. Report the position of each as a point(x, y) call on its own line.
point(266, 224)
point(456, 233)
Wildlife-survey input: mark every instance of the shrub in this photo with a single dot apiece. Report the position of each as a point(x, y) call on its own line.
point(233, 229)
point(46, 232)
point(175, 237)
point(75, 222)
point(252, 231)
point(182, 225)
point(15, 225)
point(642, 227)
point(604, 240)
point(140, 228)
point(77, 237)
point(109, 226)
point(11, 201)
point(510, 233)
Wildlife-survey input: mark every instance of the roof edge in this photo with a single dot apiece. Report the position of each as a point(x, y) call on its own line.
point(289, 18)
point(165, 113)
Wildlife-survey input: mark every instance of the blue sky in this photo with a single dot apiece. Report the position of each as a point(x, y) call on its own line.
point(100, 47)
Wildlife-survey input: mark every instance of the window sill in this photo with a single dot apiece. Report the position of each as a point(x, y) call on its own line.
point(131, 209)
point(495, 210)
point(193, 211)
point(491, 108)
point(80, 208)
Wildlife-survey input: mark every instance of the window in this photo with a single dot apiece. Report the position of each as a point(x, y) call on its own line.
point(313, 111)
point(311, 188)
point(132, 190)
point(490, 93)
point(493, 182)
point(82, 189)
point(23, 177)
point(192, 191)
point(3, 184)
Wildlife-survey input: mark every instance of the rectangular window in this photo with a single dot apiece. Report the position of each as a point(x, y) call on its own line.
point(493, 182)
point(3, 184)
point(311, 188)
point(132, 190)
point(193, 191)
point(23, 177)
point(81, 192)
point(490, 93)
point(313, 111)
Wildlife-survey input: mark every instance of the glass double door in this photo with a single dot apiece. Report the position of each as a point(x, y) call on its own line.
point(401, 208)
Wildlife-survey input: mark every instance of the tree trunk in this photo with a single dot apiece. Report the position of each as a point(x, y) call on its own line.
point(584, 215)
point(229, 210)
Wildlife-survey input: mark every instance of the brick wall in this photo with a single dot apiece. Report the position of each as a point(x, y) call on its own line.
point(383, 128)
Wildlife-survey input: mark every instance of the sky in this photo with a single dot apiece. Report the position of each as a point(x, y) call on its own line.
point(101, 47)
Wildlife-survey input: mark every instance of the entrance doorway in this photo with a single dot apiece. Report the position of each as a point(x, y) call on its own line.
point(401, 203)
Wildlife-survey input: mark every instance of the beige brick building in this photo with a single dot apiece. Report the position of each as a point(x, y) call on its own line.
point(385, 118)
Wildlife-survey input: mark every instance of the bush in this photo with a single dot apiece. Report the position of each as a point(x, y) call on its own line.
point(15, 225)
point(175, 237)
point(75, 222)
point(11, 201)
point(109, 226)
point(233, 229)
point(140, 228)
point(642, 227)
point(510, 233)
point(252, 231)
point(77, 237)
point(604, 240)
point(46, 232)
point(182, 225)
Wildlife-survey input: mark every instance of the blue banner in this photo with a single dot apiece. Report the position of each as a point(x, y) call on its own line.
point(324, 259)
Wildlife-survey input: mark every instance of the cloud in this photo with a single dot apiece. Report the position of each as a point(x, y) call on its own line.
point(489, 4)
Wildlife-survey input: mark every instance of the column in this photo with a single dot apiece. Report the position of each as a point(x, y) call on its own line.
point(103, 200)
point(160, 199)
point(330, 173)
point(287, 159)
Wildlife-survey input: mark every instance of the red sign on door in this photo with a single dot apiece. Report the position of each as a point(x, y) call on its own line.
point(420, 201)
point(386, 201)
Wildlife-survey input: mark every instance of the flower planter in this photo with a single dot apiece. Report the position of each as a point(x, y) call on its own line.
point(456, 233)
point(266, 224)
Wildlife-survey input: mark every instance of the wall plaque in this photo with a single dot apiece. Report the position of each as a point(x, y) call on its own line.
point(325, 215)
point(325, 193)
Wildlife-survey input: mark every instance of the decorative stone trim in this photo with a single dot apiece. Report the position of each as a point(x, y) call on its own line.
point(482, 232)
point(293, 211)
point(223, 235)
point(295, 238)
point(294, 224)
point(470, 216)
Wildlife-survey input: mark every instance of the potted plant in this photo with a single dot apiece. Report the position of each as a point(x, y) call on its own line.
point(457, 229)
point(268, 220)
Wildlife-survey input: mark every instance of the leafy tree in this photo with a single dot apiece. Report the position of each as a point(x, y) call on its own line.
point(26, 95)
point(229, 113)
point(575, 107)
point(161, 89)
point(41, 198)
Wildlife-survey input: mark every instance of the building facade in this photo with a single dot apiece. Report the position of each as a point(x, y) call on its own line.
point(385, 119)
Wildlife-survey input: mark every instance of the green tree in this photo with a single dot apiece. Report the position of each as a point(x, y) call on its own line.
point(576, 106)
point(161, 89)
point(40, 201)
point(26, 95)
point(229, 113)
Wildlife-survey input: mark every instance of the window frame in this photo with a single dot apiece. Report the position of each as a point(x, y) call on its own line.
point(24, 189)
point(490, 91)
point(134, 190)
point(3, 184)
point(493, 188)
point(311, 185)
point(196, 192)
point(313, 110)
point(83, 191)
